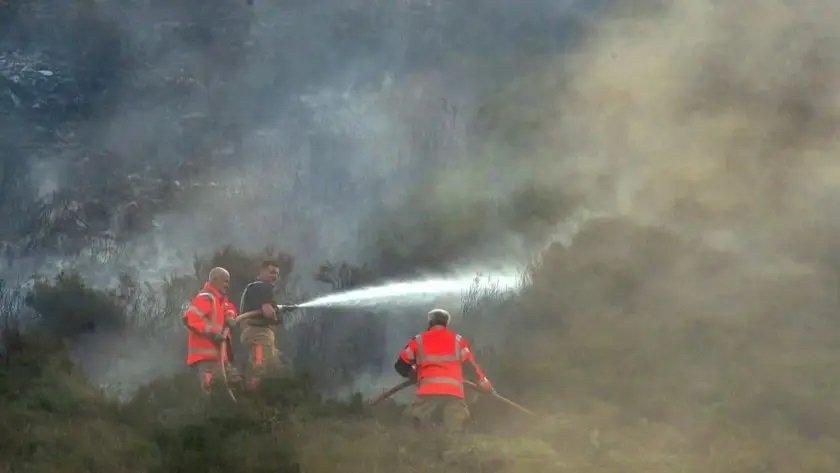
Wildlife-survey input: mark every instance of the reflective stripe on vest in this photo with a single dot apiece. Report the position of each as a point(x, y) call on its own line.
point(211, 296)
point(211, 328)
point(203, 351)
point(440, 380)
point(211, 323)
point(196, 310)
point(421, 357)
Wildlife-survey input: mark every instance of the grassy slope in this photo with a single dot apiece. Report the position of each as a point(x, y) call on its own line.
point(637, 361)
point(642, 352)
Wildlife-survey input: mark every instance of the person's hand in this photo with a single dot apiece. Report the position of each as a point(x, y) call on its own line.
point(485, 385)
point(230, 322)
point(269, 312)
point(219, 337)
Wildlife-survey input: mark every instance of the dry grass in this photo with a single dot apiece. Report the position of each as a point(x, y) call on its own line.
point(627, 374)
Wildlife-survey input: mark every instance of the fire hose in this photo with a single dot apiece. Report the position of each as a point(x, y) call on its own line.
point(408, 382)
point(222, 362)
point(501, 398)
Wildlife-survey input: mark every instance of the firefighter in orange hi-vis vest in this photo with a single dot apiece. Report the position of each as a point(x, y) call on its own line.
point(434, 359)
point(209, 314)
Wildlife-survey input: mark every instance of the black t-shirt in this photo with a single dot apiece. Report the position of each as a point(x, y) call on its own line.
point(254, 296)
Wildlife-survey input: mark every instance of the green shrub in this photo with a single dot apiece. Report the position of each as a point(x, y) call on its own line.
point(54, 420)
point(68, 308)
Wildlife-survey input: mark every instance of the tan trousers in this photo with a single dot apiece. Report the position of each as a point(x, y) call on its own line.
point(431, 410)
point(210, 373)
point(264, 359)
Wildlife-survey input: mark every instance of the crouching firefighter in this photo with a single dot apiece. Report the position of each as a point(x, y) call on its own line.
point(209, 319)
point(434, 358)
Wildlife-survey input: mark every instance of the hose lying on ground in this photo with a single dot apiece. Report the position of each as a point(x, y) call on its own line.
point(408, 382)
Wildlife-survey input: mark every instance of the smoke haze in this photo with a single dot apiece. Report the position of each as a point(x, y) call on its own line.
point(425, 136)
point(298, 125)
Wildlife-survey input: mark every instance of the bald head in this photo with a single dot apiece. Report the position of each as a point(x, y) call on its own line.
point(439, 317)
point(220, 279)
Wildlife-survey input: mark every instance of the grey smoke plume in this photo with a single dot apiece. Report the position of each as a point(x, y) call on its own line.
point(423, 136)
point(318, 118)
point(714, 118)
point(312, 126)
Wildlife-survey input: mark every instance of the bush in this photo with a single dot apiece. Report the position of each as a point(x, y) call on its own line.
point(53, 419)
point(68, 308)
point(224, 443)
point(628, 343)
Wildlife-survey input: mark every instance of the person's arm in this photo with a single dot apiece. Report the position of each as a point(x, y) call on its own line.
point(268, 311)
point(406, 360)
point(264, 295)
point(467, 355)
point(197, 319)
point(230, 313)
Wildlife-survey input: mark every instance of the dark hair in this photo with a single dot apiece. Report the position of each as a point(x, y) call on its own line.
point(268, 263)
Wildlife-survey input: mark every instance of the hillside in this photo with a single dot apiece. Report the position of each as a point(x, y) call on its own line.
point(667, 172)
point(620, 384)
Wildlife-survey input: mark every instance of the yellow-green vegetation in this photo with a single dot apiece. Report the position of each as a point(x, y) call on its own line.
point(635, 360)
point(642, 352)
point(707, 342)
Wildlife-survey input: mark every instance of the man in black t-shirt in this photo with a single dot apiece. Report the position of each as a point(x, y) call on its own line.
point(257, 333)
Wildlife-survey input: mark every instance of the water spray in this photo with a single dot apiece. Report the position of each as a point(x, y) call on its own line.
point(417, 291)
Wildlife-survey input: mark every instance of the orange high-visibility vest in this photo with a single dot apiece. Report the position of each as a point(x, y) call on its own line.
point(438, 354)
point(205, 317)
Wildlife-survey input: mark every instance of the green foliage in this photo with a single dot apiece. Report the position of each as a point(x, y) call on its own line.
point(69, 308)
point(635, 360)
point(225, 442)
point(52, 416)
